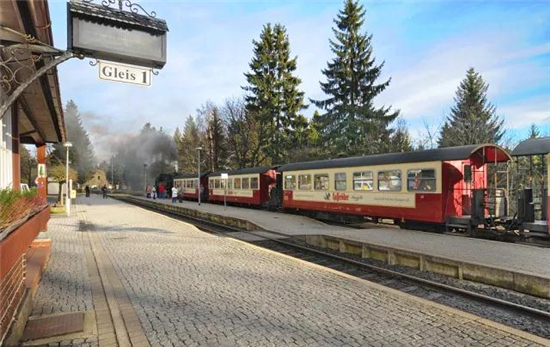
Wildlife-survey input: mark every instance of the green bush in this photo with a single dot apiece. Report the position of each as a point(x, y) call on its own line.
point(15, 206)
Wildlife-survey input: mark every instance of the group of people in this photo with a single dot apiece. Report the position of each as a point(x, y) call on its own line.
point(161, 193)
point(103, 191)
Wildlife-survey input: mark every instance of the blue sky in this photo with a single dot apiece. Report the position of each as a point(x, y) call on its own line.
point(427, 46)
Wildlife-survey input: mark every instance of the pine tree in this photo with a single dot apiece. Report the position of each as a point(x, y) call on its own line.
point(351, 124)
point(215, 140)
point(82, 153)
point(187, 153)
point(534, 131)
point(473, 119)
point(400, 140)
point(273, 96)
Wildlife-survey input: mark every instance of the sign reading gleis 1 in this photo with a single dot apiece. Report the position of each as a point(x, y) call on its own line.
point(125, 73)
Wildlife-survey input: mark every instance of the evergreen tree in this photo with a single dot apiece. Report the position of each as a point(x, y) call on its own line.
point(215, 139)
point(187, 153)
point(81, 154)
point(351, 124)
point(400, 140)
point(534, 131)
point(473, 119)
point(273, 96)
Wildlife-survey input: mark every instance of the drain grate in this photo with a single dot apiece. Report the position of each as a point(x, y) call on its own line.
point(43, 327)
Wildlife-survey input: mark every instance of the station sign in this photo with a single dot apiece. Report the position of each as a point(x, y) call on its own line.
point(224, 176)
point(104, 33)
point(123, 73)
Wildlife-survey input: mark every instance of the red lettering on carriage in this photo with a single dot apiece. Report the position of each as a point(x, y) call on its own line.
point(340, 197)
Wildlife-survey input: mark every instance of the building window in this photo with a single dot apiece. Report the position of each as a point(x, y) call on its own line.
point(389, 180)
point(363, 180)
point(254, 183)
point(320, 182)
point(246, 184)
point(340, 181)
point(421, 180)
point(304, 182)
point(290, 182)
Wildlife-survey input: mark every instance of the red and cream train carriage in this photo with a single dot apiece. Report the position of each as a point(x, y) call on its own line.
point(250, 186)
point(538, 153)
point(430, 186)
point(189, 186)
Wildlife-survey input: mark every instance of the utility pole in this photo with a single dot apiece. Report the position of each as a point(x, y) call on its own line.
point(68, 188)
point(199, 173)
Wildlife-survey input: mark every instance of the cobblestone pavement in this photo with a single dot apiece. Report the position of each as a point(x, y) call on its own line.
point(191, 288)
point(65, 285)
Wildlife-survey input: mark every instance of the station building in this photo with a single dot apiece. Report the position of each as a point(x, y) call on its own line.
point(35, 118)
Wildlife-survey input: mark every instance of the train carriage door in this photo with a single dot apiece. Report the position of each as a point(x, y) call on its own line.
point(467, 186)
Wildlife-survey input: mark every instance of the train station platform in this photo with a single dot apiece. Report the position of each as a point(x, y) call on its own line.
point(137, 278)
point(519, 267)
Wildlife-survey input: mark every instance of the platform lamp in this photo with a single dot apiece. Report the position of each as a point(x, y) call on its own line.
point(67, 191)
point(145, 177)
point(199, 149)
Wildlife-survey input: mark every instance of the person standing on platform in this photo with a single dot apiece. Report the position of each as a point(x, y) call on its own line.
point(148, 191)
point(154, 192)
point(162, 191)
point(104, 190)
point(87, 189)
point(174, 194)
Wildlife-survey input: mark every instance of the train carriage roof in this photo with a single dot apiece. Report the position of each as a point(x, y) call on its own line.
point(250, 170)
point(191, 175)
point(532, 147)
point(489, 152)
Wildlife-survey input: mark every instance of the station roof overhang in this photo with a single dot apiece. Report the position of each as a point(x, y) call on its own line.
point(532, 147)
point(41, 113)
point(489, 153)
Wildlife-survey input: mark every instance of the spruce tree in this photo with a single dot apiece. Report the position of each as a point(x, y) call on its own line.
point(351, 124)
point(273, 95)
point(81, 153)
point(534, 131)
point(190, 140)
point(473, 118)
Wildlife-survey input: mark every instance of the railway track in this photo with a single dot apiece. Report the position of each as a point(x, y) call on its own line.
point(516, 310)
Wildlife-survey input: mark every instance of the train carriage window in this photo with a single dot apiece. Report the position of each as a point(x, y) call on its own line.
point(254, 183)
point(363, 180)
point(217, 183)
point(246, 184)
point(421, 180)
point(229, 183)
point(195, 185)
point(237, 183)
point(340, 181)
point(320, 182)
point(389, 180)
point(304, 182)
point(290, 182)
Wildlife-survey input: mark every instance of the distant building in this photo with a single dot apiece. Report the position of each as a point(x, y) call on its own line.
point(98, 179)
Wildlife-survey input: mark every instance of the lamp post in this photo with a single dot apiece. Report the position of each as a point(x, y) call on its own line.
point(67, 190)
point(199, 173)
point(145, 178)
